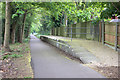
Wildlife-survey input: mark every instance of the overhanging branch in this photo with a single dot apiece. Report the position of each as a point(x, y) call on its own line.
point(115, 7)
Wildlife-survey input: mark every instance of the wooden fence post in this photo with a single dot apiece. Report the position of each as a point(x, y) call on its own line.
point(51, 31)
point(103, 30)
point(116, 35)
point(71, 32)
point(100, 33)
point(55, 31)
point(58, 31)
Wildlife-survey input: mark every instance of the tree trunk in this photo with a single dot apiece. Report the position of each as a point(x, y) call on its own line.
point(22, 28)
point(1, 27)
point(13, 32)
point(7, 27)
point(18, 33)
point(27, 32)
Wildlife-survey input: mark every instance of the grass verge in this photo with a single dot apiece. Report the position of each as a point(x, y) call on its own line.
point(16, 64)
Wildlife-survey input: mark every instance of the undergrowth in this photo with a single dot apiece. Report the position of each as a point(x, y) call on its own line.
point(12, 56)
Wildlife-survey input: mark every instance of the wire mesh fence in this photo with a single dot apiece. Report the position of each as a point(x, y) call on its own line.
point(89, 32)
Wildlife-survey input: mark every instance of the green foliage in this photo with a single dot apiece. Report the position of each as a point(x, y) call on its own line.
point(111, 8)
point(42, 16)
point(53, 14)
point(27, 77)
point(5, 57)
point(14, 15)
point(13, 56)
point(26, 40)
point(38, 36)
point(20, 12)
point(95, 21)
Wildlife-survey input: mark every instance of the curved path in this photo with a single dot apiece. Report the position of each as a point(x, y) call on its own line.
point(48, 63)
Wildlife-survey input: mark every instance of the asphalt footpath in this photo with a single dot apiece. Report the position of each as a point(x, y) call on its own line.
point(48, 62)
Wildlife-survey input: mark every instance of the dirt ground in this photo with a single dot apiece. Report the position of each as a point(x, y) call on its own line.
point(17, 67)
point(107, 71)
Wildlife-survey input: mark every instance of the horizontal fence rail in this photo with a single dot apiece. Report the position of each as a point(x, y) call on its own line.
point(69, 30)
point(80, 27)
point(83, 33)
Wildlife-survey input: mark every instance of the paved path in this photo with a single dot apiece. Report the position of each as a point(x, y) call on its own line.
point(47, 62)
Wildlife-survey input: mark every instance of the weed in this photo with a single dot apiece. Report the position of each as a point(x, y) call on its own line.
point(13, 56)
point(27, 49)
point(5, 57)
point(27, 77)
point(3, 51)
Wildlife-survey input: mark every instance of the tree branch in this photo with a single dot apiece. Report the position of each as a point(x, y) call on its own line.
point(115, 7)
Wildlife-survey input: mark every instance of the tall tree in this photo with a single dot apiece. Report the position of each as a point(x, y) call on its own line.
point(22, 28)
point(0, 25)
point(7, 27)
point(13, 32)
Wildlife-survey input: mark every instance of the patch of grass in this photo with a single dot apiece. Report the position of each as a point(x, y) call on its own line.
point(27, 77)
point(27, 49)
point(16, 55)
point(26, 40)
point(2, 51)
point(37, 35)
point(89, 39)
point(13, 56)
point(5, 57)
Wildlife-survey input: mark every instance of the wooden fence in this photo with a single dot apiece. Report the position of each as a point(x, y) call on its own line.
point(110, 34)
